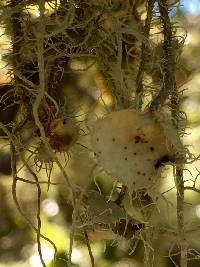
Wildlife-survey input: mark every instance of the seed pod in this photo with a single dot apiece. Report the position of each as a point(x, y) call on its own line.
point(131, 146)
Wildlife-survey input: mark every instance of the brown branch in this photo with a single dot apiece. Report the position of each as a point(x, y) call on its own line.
point(89, 248)
point(169, 88)
point(38, 213)
point(14, 190)
point(169, 82)
point(38, 229)
point(17, 34)
point(192, 188)
point(32, 182)
point(144, 53)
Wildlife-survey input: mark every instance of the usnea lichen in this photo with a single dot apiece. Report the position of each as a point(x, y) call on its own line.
point(132, 141)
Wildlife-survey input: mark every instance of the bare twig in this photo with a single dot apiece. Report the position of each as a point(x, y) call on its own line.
point(38, 213)
point(89, 248)
point(169, 88)
point(192, 188)
point(14, 185)
point(13, 143)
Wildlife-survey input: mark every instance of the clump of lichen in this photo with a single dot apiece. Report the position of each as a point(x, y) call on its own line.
point(132, 141)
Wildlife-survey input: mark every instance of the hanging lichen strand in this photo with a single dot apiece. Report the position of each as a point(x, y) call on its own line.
point(133, 146)
point(170, 87)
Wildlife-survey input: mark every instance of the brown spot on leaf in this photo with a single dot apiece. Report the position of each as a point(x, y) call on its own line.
point(164, 159)
point(127, 228)
point(139, 139)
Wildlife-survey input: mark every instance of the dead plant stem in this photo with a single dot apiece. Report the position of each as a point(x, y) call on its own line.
point(170, 89)
point(144, 53)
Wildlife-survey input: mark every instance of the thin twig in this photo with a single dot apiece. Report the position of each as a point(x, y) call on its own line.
point(144, 52)
point(88, 243)
point(32, 182)
point(72, 232)
point(169, 88)
point(89, 249)
point(192, 188)
point(38, 215)
point(14, 194)
point(169, 83)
